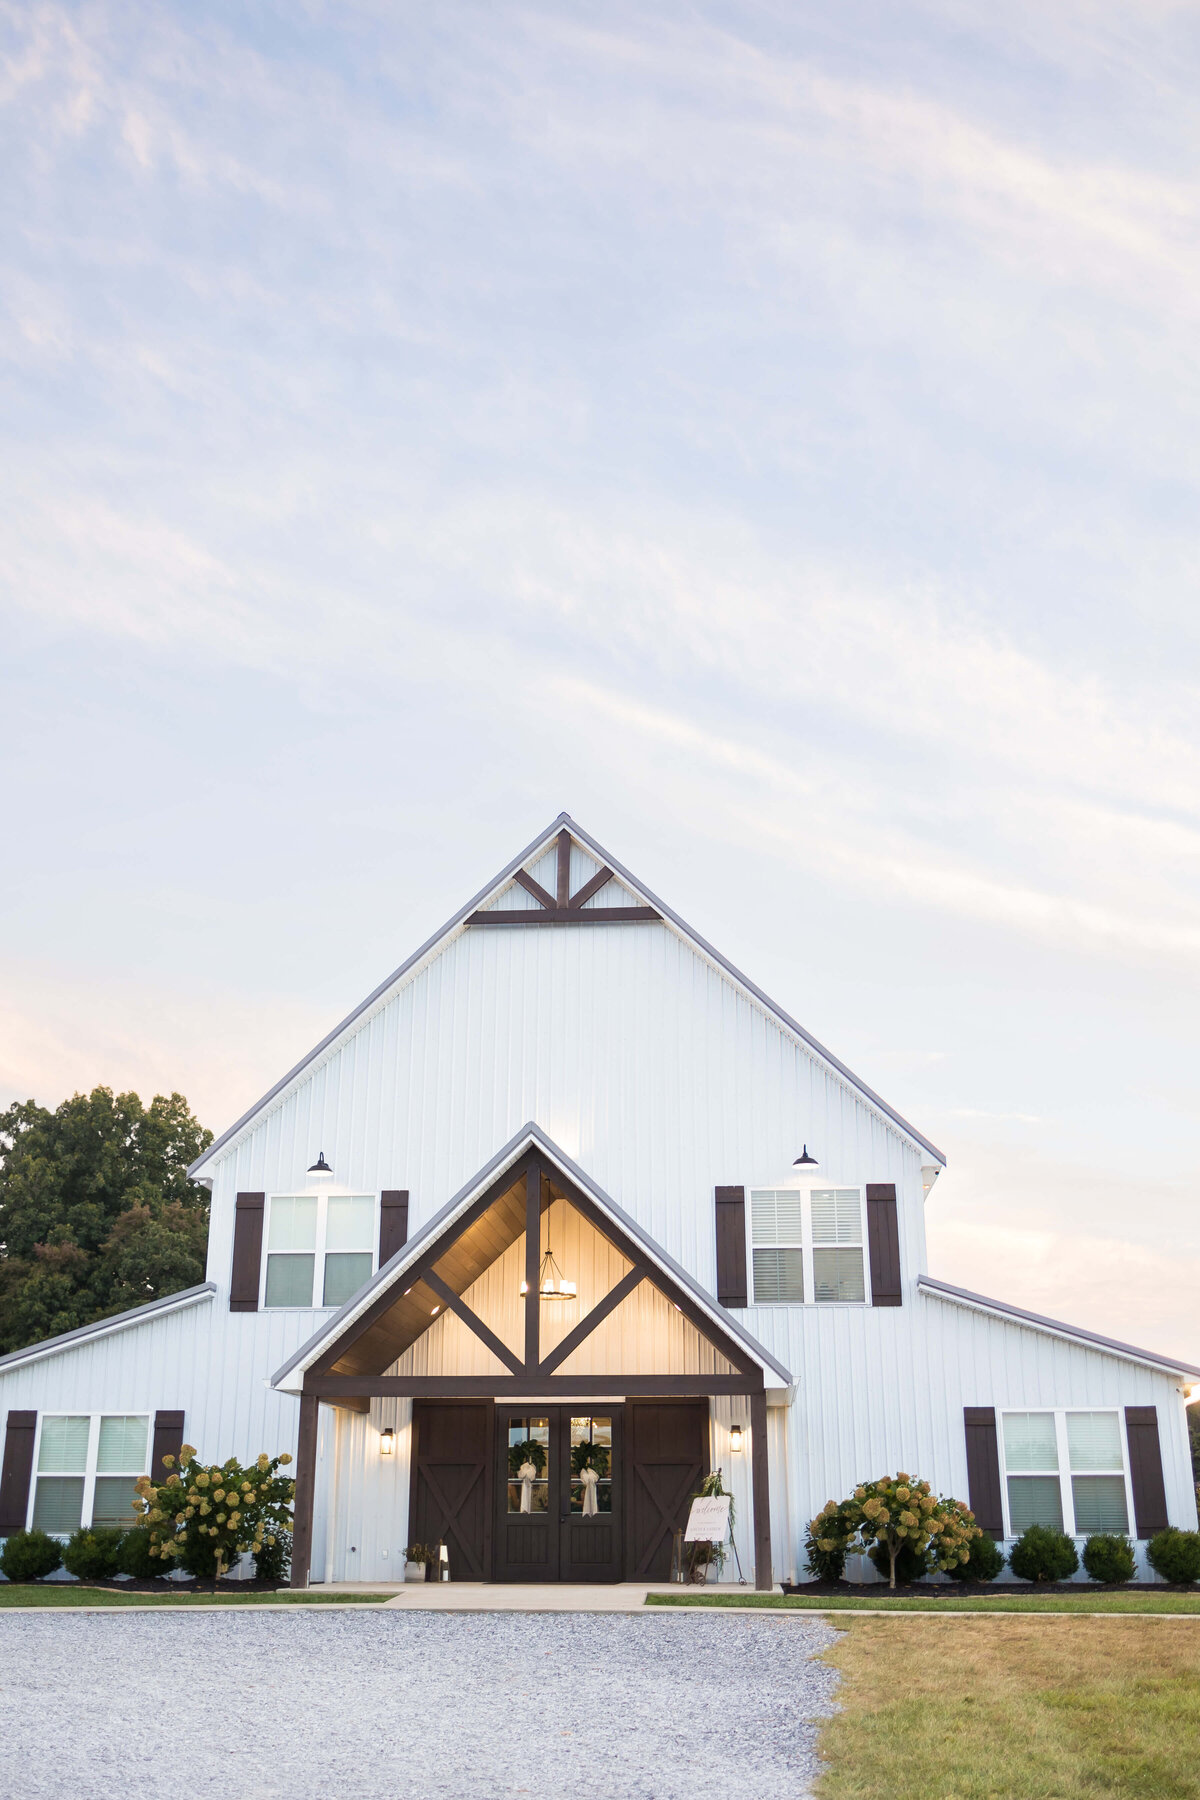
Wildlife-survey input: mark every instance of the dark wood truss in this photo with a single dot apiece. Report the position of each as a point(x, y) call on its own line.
point(563, 907)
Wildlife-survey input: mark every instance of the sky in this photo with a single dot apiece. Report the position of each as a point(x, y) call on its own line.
point(769, 432)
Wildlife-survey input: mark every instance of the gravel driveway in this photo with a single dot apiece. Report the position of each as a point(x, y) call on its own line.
point(313, 1705)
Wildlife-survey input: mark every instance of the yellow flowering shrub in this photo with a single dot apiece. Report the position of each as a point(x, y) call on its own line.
point(895, 1513)
point(184, 1527)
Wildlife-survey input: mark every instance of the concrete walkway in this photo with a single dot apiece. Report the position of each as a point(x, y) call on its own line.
point(504, 1596)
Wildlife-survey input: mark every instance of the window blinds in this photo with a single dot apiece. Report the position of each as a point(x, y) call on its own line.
point(1029, 1441)
point(1094, 1439)
point(775, 1216)
point(836, 1216)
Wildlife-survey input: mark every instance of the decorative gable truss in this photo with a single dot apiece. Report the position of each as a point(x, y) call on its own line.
point(564, 907)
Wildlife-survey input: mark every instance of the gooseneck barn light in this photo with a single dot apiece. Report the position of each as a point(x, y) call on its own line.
point(320, 1167)
point(804, 1160)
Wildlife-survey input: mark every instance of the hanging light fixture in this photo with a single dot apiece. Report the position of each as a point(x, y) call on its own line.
point(552, 1283)
point(804, 1160)
point(320, 1167)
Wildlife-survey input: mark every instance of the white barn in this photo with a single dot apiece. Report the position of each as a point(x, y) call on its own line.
point(566, 1087)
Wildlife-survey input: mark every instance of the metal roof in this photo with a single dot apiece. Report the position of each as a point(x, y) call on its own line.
point(964, 1297)
point(531, 1133)
point(564, 820)
point(66, 1340)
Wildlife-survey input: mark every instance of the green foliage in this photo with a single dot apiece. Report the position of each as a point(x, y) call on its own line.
point(30, 1555)
point(96, 1211)
point(1175, 1555)
point(583, 1454)
point(911, 1564)
point(1043, 1554)
point(1193, 1419)
point(530, 1451)
point(986, 1561)
point(91, 1554)
point(273, 1562)
point(210, 1513)
point(898, 1512)
point(829, 1538)
point(138, 1557)
point(1108, 1557)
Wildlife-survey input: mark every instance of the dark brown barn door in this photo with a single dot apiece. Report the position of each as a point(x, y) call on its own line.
point(591, 1543)
point(667, 1451)
point(451, 1483)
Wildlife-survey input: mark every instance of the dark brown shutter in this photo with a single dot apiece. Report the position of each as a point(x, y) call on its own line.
point(18, 1467)
point(393, 1223)
point(168, 1441)
point(247, 1252)
point(731, 1247)
point(983, 1468)
point(883, 1237)
point(1146, 1470)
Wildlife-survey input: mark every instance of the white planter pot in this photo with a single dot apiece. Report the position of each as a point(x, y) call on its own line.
point(414, 1571)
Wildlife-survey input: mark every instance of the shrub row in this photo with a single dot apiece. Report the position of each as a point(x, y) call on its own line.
point(99, 1552)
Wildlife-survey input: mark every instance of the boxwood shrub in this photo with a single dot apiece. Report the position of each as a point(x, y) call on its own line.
point(92, 1552)
point(1108, 1557)
point(30, 1555)
point(1175, 1555)
point(1043, 1554)
point(138, 1557)
point(987, 1560)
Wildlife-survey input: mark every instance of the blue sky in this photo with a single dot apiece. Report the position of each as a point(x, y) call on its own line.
point(769, 432)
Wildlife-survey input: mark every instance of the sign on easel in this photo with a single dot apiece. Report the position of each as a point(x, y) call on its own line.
point(708, 1520)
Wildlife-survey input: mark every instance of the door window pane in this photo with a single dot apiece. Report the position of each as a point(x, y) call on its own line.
point(345, 1274)
point(778, 1277)
point(64, 1443)
point(58, 1503)
point(113, 1501)
point(293, 1223)
point(349, 1222)
point(591, 1451)
point(528, 1464)
point(838, 1275)
point(122, 1444)
point(1034, 1500)
point(1099, 1503)
point(290, 1280)
point(1095, 1440)
point(1029, 1441)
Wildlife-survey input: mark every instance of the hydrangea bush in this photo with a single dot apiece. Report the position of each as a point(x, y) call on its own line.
point(207, 1514)
point(895, 1513)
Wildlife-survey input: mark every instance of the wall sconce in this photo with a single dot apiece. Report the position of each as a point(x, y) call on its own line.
point(320, 1167)
point(387, 1441)
point(735, 1439)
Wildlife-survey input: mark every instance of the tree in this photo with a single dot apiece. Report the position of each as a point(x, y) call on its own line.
point(897, 1513)
point(208, 1514)
point(96, 1211)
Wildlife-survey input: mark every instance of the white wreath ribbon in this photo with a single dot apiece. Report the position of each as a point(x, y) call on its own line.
point(526, 1475)
point(590, 1481)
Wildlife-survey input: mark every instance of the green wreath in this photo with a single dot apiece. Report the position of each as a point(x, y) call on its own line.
point(596, 1454)
point(529, 1451)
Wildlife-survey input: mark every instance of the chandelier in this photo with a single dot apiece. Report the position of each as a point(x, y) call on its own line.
point(552, 1283)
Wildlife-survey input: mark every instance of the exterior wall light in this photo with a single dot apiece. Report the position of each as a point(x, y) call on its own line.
point(804, 1160)
point(387, 1441)
point(735, 1439)
point(320, 1167)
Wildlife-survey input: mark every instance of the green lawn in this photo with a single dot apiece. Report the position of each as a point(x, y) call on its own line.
point(64, 1593)
point(1092, 1709)
point(1084, 1602)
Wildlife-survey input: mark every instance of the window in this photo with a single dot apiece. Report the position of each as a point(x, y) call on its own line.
point(807, 1244)
point(320, 1248)
point(1066, 1470)
point(87, 1464)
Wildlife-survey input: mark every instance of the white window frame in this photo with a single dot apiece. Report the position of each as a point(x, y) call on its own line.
point(93, 1453)
point(1064, 1472)
point(318, 1251)
point(806, 1244)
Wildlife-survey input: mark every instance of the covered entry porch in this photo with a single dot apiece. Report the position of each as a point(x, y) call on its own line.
point(553, 1378)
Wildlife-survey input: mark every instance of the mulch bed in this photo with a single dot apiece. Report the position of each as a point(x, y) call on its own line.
point(160, 1586)
point(954, 1590)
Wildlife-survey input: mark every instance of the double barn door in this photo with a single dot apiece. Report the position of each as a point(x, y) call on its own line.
point(521, 1492)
